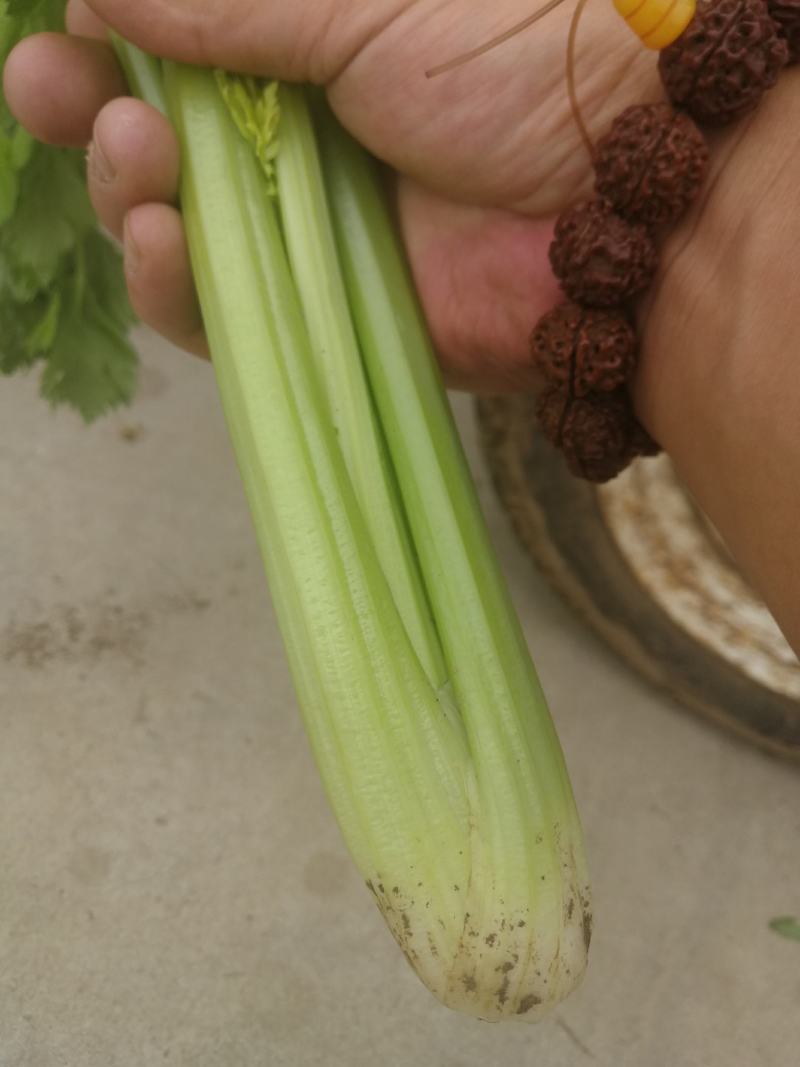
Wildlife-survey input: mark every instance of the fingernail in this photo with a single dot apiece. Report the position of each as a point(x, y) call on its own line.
point(99, 166)
point(130, 250)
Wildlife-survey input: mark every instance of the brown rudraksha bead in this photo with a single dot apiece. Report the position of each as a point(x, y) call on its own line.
point(651, 164)
point(584, 349)
point(724, 61)
point(600, 259)
point(598, 434)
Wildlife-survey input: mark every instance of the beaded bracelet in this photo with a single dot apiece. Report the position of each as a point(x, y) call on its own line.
point(648, 170)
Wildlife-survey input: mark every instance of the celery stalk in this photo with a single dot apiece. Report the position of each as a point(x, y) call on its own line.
point(419, 697)
point(142, 72)
point(392, 764)
point(528, 863)
point(312, 255)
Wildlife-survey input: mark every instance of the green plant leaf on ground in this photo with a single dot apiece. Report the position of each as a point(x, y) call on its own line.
point(787, 926)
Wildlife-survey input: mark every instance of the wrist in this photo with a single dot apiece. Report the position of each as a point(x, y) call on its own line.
point(717, 323)
point(718, 383)
point(649, 168)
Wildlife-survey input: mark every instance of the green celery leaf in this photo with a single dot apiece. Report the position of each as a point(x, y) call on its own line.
point(22, 145)
point(19, 18)
point(105, 279)
point(63, 301)
point(91, 365)
point(49, 12)
point(52, 214)
point(19, 326)
point(43, 333)
point(9, 182)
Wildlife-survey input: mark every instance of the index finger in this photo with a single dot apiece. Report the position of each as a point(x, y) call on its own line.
point(55, 85)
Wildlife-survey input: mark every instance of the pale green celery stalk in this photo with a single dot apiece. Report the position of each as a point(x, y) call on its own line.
point(465, 830)
point(395, 769)
point(314, 261)
point(143, 73)
point(527, 901)
point(313, 256)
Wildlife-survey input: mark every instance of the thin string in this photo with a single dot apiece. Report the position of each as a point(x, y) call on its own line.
point(467, 57)
point(495, 41)
point(571, 86)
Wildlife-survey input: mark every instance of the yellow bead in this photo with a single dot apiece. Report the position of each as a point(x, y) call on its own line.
point(672, 27)
point(657, 23)
point(647, 17)
point(625, 7)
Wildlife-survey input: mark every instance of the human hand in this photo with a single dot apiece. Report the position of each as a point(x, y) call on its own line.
point(487, 154)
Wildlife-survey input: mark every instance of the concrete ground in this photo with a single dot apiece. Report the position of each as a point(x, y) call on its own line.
point(173, 889)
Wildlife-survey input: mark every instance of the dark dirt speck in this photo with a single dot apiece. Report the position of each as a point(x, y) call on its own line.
point(529, 1001)
point(587, 929)
point(131, 432)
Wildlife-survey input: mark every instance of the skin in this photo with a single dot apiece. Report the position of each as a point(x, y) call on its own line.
point(483, 160)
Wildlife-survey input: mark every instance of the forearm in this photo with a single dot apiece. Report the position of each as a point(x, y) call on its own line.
point(719, 385)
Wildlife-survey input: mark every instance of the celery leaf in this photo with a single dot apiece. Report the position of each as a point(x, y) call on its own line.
point(63, 303)
point(90, 366)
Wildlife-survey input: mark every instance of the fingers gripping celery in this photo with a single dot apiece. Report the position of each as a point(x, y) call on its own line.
point(423, 708)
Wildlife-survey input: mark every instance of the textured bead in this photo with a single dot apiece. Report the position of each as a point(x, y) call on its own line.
point(600, 259)
point(651, 164)
point(598, 434)
point(584, 349)
point(727, 57)
point(786, 15)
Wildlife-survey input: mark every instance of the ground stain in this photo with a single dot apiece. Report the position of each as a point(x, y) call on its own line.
point(106, 627)
point(131, 433)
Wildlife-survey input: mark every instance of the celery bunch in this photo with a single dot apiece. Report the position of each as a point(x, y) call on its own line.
point(422, 705)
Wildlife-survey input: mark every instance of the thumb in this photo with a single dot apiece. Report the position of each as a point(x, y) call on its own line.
point(295, 41)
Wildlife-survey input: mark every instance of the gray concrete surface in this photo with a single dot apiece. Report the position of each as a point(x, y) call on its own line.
point(173, 889)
